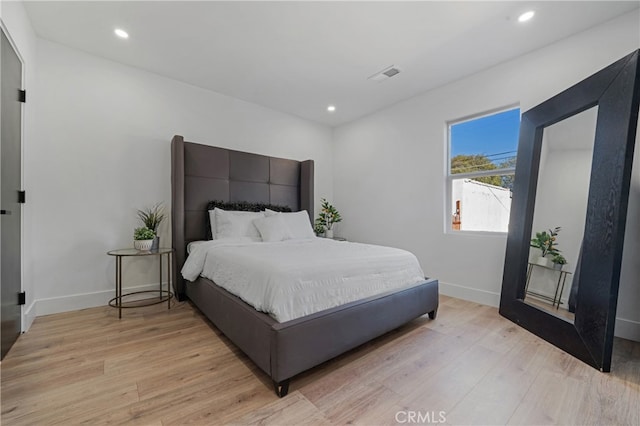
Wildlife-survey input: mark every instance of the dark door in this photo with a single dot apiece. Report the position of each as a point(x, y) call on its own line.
point(10, 171)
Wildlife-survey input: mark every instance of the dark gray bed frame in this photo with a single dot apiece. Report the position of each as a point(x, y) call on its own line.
point(201, 173)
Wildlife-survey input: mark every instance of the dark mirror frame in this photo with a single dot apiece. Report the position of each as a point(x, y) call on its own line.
point(615, 90)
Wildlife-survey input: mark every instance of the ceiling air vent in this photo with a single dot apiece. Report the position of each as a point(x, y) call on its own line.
point(385, 74)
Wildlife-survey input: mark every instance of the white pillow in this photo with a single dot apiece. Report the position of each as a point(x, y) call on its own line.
point(273, 228)
point(193, 244)
point(212, 223)
point(233, 224)
point(297, 222)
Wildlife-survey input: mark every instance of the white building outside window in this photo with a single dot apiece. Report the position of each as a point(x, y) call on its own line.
point(481, 166)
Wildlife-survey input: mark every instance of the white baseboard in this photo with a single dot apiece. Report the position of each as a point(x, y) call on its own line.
point(471, 294)
point(74, 302)
point(29, 314)
point(627, 329)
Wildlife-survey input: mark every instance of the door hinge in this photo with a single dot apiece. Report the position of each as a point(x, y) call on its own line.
point(22, 298)
point(22, 197)
point(22, 96)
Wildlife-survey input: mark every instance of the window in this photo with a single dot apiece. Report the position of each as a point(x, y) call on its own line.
point(481, 165)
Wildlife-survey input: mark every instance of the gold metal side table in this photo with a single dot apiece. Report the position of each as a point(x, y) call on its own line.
point(163, 295)
point(562, 278)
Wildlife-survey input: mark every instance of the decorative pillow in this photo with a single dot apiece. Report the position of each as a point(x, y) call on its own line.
point(273, 228)
point(236, 224)
point(298, 223)
point(245, 206)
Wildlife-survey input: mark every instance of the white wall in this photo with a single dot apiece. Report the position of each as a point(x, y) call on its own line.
point(628, 318)
point(102, 151)
point(16, 22)
point(389, 167)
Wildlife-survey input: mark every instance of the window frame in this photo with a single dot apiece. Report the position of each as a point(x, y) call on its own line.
point(449, 177)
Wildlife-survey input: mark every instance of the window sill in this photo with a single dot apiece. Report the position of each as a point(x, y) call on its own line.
point(477, 233)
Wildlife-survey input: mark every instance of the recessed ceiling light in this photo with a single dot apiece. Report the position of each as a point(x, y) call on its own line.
point(331, 108)
point(526, 16)
point(121, 33)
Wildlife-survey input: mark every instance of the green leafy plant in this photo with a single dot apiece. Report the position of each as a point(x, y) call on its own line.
point(318, 226)
point(559, 259)
point(152, 217)
point(328, 215)
point(143, 233)
point(546, 242)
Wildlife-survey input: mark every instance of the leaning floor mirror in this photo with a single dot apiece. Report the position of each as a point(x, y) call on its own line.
point(568, 213)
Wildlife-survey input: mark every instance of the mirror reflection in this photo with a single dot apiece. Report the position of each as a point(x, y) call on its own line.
point(560, 214)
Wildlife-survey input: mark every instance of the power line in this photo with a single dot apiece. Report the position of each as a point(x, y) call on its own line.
point(499, 153)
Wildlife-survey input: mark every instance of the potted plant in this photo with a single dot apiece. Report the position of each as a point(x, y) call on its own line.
point(546, 243)
point(558, 261)
point(328, 216)
point(318, 227)
point(143, 238)
point(151, 218)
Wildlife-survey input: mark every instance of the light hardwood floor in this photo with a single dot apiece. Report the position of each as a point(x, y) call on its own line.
point(159, 367)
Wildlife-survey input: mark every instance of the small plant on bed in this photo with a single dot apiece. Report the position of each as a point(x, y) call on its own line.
point(143, 238)
point(328, 216)
point(151, 218)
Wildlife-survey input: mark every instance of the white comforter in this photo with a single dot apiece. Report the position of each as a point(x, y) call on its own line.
point(294, 278)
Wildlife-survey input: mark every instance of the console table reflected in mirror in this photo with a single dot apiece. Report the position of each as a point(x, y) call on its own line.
point(556, 300)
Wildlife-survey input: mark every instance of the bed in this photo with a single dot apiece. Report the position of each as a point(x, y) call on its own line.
point(202, 173)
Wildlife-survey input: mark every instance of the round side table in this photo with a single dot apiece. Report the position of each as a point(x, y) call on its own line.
point(163, 295)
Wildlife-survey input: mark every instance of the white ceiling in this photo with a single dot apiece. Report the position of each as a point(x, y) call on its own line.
point(299, 57)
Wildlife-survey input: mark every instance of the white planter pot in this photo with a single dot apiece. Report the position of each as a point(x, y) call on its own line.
point(328, 233)
point(543, 261)
point(142, 245)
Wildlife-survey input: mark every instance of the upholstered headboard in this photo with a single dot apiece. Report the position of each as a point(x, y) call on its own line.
point(202, 173)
